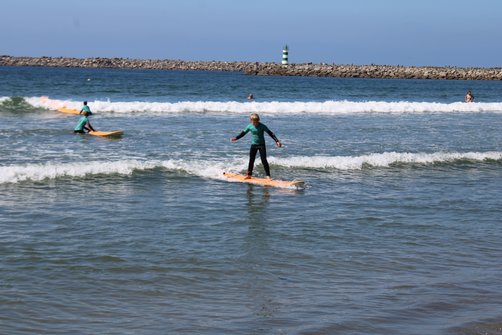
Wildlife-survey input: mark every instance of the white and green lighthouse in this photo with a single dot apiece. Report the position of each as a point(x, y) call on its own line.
point(285, 56)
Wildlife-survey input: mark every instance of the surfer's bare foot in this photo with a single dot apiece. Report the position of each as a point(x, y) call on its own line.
point(247, 177)
point(269, 178)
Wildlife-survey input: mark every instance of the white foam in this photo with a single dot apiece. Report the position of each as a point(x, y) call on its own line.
point(205, 168)
point(215, 169)
point(275, 107)
point(40, 172)
point(380, 159)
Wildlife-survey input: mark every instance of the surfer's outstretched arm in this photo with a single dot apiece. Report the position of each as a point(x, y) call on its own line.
point(89, 127)
point(271, 134)
point(241, 135)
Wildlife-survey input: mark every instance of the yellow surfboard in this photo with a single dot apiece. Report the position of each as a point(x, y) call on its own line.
point(57, 106)
point(115, 133)
point(67, 110)
point(263, 181)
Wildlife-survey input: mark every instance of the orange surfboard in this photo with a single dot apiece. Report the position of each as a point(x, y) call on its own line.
point(57, 105)
point(263, 181)
point(114, 133)
point(67, 110)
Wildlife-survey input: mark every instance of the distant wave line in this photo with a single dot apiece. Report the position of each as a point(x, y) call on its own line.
point(330, 107)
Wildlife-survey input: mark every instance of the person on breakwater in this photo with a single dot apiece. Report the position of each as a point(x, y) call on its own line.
point(469, 97)
point(257, 143)
point(85, 109)
point(83, 124)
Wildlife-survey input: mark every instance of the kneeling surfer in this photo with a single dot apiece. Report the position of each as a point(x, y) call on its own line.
point(257, 130)
point(83, 124)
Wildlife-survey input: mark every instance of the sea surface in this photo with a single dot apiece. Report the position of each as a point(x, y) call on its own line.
point(398, 229)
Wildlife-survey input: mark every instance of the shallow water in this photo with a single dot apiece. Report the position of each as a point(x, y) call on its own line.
point(397, 231)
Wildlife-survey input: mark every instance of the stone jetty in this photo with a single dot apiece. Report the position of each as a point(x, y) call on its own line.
point(377, 71)
point(123, 63)
point(266, 69)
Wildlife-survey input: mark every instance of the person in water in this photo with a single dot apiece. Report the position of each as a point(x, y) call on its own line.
point(83, 124)
point(469, 97)
point(257, 130)
point(85, 108)
point(250, 96)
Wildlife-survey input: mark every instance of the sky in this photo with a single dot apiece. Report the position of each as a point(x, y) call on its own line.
point(393, 32)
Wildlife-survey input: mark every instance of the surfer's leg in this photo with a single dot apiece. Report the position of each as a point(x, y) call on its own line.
point(252, 156)
point(263, 156)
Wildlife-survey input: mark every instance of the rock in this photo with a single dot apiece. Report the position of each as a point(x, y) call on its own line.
point(265, 69)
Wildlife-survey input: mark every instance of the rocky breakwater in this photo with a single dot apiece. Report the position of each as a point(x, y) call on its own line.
point(265, 69)
point(376, 71)
point(124, 63)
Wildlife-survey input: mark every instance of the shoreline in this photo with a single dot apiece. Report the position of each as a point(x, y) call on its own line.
point(266, 68)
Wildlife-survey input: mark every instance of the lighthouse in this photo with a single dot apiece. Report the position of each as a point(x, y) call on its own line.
point(285, 56)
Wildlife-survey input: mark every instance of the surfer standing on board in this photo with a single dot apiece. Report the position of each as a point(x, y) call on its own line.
point(83, 124)
point(85, 109)
point(257, 130)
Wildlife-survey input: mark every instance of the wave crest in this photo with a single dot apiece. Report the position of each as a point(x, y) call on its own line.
point(215, 169)
point(386, 159)
point(274, 107)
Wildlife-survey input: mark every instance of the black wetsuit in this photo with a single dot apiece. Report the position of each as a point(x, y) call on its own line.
point(258, 144)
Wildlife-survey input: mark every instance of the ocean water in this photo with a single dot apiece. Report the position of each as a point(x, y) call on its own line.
point(397, 231)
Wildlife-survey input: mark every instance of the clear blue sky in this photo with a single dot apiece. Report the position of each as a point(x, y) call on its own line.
point(397, 32)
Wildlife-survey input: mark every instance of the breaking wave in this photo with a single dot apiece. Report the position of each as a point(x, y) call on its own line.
point(382, 160)
point(215, 169)
point(274, 107)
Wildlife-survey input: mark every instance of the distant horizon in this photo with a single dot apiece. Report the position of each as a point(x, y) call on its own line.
point(443, 33)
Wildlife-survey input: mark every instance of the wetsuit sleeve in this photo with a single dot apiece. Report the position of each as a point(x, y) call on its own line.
point(90, 127)
point(271, 134)
point(244, 132)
